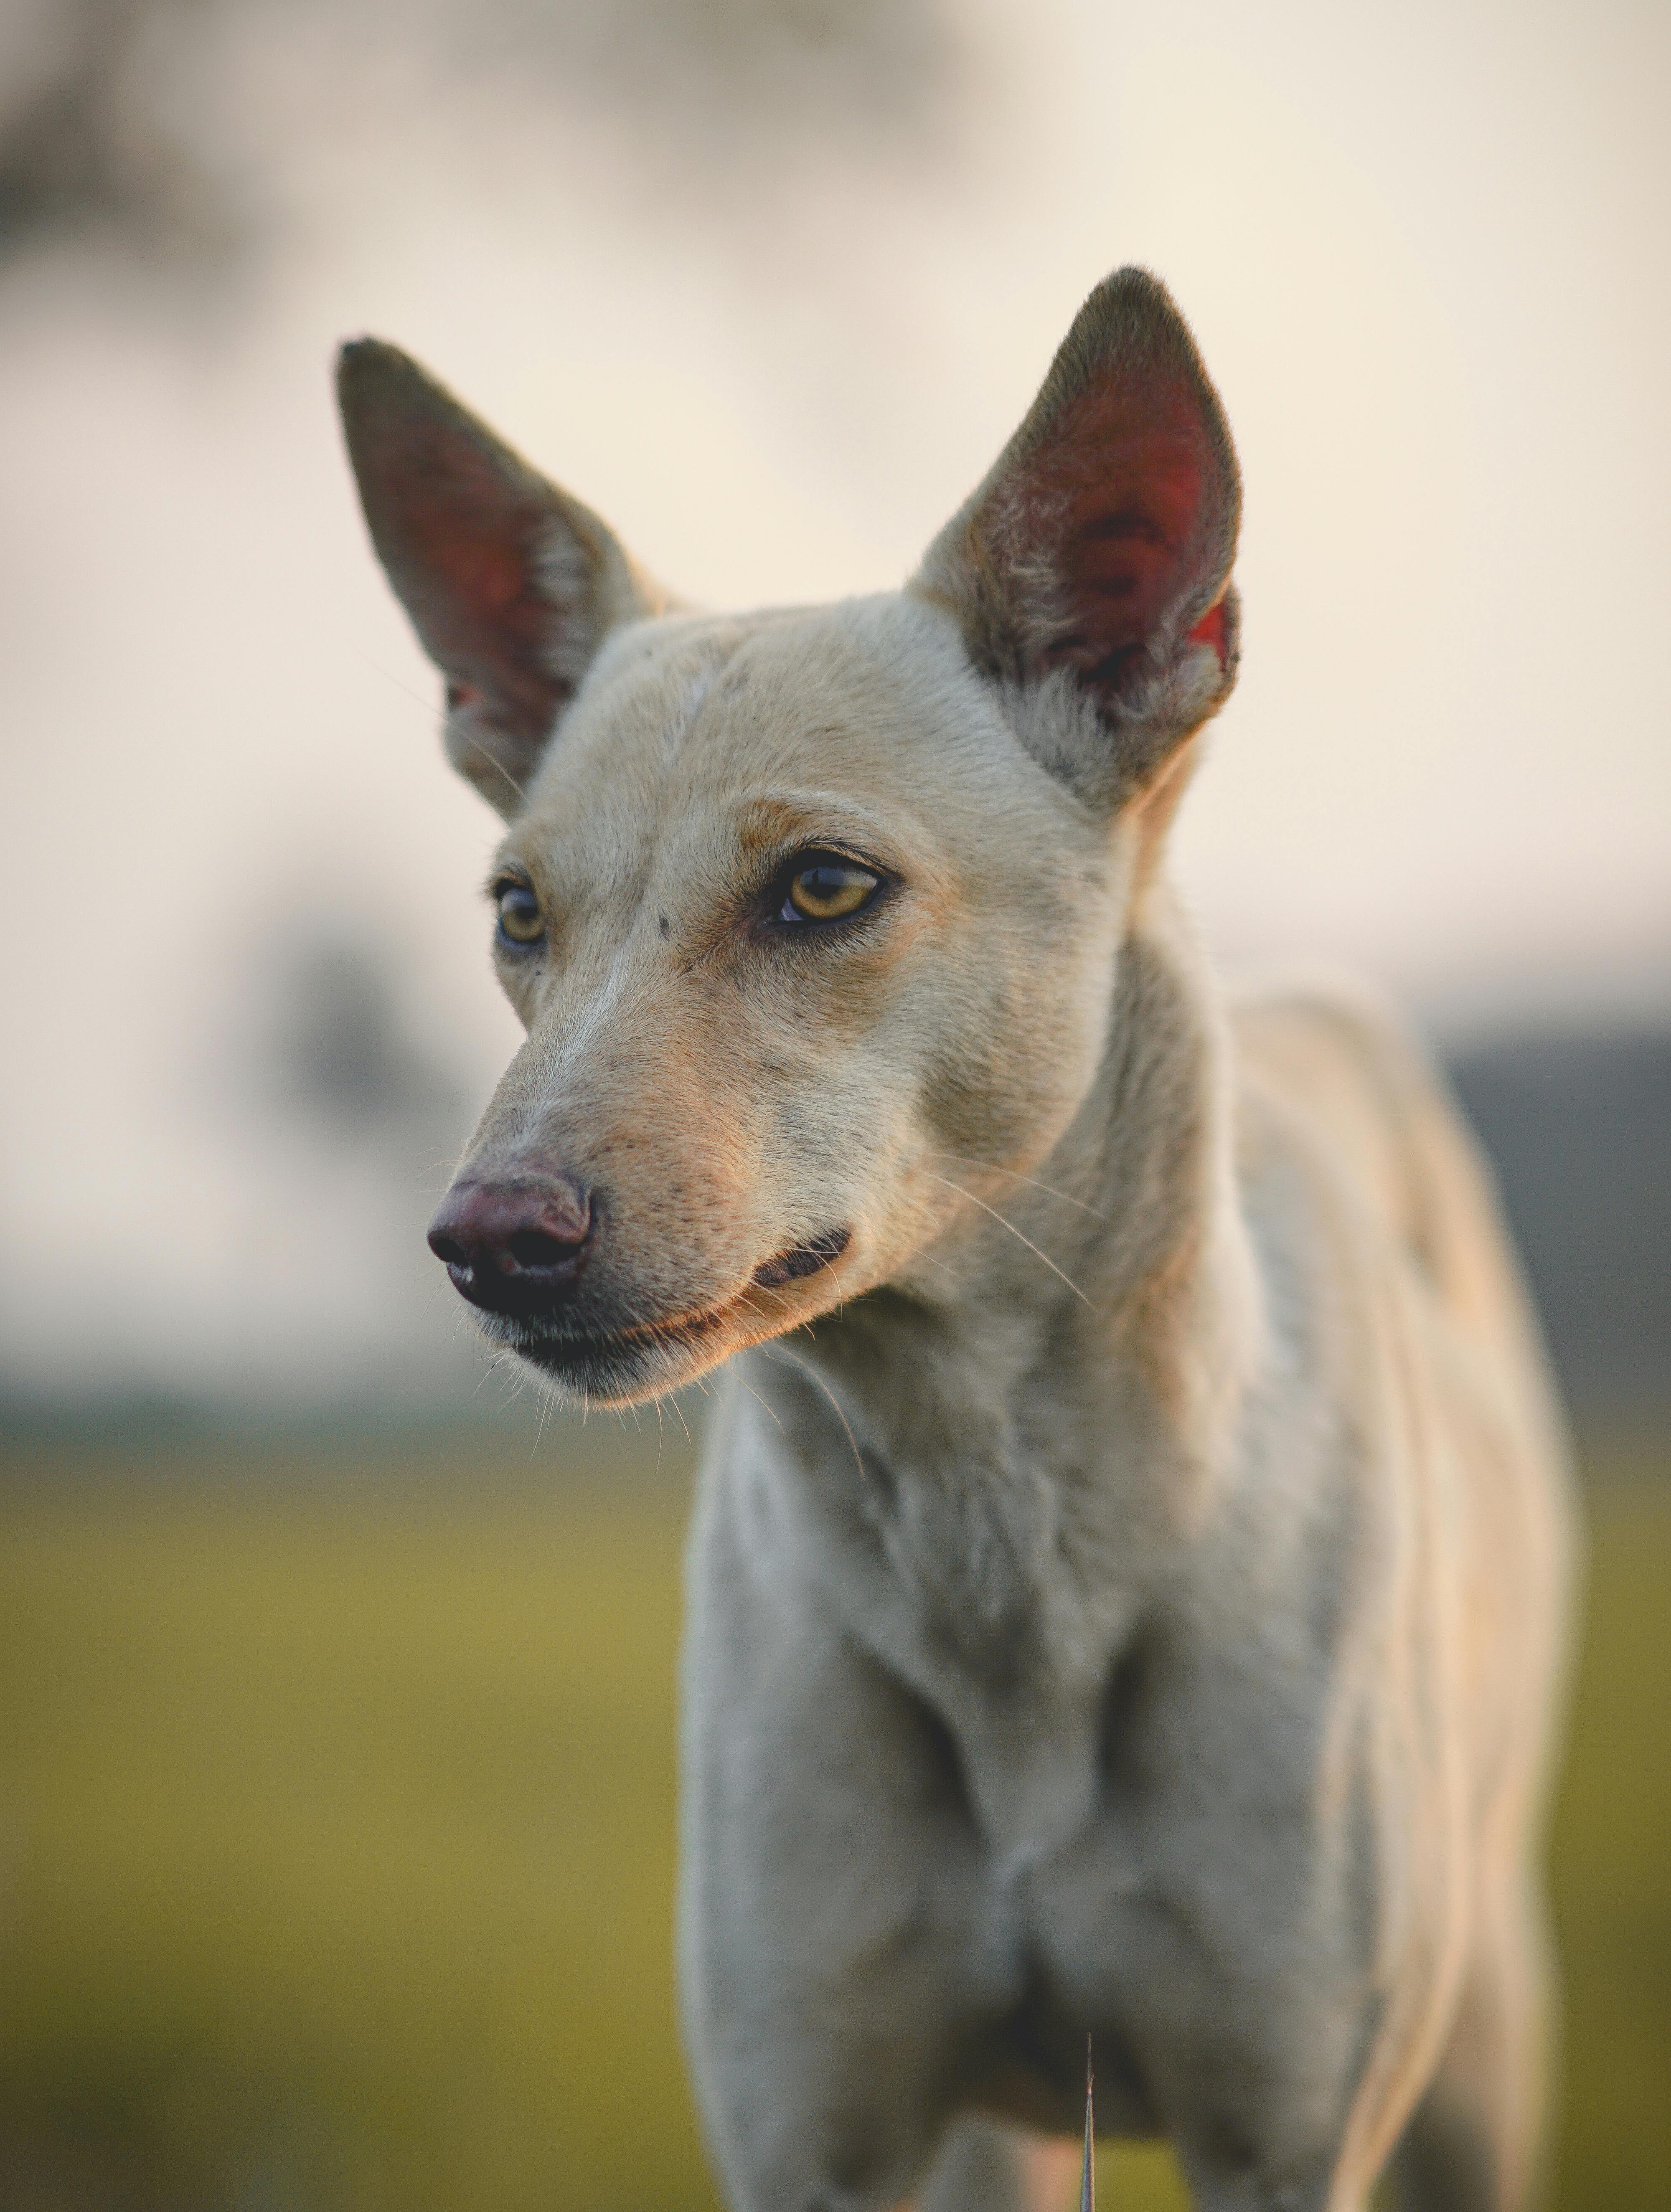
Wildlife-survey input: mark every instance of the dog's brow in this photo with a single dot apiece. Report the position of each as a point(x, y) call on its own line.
point(779, 820)
point(505, 866)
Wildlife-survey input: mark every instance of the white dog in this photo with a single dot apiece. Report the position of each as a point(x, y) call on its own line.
point(1127, 1580)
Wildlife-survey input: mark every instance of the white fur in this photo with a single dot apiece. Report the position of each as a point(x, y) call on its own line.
point(1126, 1586)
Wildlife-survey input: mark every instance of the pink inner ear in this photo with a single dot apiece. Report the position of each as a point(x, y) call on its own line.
point(1210, 630)
point(485, 575)
point(467, 556)
point(1115, 502)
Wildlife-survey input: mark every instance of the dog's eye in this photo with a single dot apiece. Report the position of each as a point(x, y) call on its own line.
point(826, 888)
point(520, 922)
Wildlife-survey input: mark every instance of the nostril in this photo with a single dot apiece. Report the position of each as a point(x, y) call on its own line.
point(516, 1246)
point(532, 1247)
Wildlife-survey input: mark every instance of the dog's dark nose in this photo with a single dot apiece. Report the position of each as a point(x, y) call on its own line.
point(515, 1247)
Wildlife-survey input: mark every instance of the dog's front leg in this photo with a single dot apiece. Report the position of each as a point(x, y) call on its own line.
point(1280, 2124)
point(986, 2167)
point(827, 1894)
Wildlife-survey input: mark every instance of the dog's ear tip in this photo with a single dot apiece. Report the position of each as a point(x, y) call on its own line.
point(366, 347)
point(1133, 303)
point(1132, 278)
point(367, 367)
point(355, 355)
point(1132, 289)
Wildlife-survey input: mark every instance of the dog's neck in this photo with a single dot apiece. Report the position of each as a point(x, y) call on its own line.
point(1025, 1430)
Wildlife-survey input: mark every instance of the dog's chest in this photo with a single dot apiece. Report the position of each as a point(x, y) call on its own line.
point(1089, 1938)
point(960, 1581)
point(991, 1578)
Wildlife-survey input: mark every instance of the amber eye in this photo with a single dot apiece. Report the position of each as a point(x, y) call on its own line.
point(827, 888)
point(520, 922)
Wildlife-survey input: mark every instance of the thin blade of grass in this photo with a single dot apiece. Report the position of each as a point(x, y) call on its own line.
point(1087, 2171)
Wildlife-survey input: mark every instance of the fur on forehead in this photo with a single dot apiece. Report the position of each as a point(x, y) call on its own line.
point(876, 695)
point(1086, 583)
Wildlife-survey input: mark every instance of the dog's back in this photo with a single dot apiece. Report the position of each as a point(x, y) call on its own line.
point(1346, 1066)
point(1328, 1075)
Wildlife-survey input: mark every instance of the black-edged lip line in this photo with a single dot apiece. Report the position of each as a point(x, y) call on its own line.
point(800, 1260)
point(637, 1336)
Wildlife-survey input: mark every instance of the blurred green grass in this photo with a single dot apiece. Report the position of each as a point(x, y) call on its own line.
point(337, 1849)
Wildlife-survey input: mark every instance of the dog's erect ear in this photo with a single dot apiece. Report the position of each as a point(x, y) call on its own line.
point(510, 584)
point(1101, 544)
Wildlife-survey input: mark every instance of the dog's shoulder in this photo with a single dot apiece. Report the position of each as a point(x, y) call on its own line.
point(1328, 1047)
point(1343, 1071)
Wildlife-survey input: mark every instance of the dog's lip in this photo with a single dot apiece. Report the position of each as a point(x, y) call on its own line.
point(579, 1346)
point(635, 1336)
point(797, 1261)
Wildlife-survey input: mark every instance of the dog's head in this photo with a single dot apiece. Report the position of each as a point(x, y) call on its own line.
point(811, 915)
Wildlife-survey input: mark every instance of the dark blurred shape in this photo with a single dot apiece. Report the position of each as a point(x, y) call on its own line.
point(765, 68)
point(1578, 1126)
point(133, 123)
point(334, 1049)
point(101, 131)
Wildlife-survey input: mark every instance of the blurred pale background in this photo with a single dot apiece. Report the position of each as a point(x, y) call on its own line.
point(320, 1863)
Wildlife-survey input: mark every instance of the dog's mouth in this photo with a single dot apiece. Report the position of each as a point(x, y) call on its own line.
point(802, 1260)
point(642, 1358)
point(601, 1360)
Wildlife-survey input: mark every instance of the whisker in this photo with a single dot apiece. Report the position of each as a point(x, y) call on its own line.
point(452, 730)
point(1032, 1183)
point(812, 1374)
point(1016, 1234)
point(755, 1395)
point(951, 1273)
point(448, 724)
point(389, 677)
